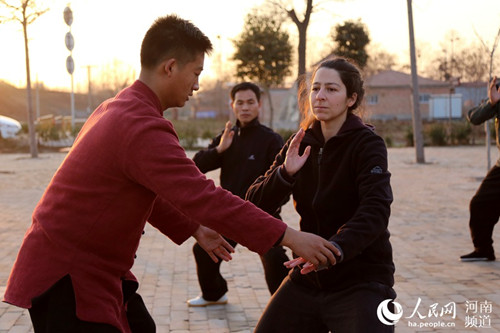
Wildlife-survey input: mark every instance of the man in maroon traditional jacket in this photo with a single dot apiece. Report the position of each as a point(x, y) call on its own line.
point(126, 167)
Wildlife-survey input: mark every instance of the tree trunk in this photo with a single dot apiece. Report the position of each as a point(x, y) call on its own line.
point(302, 49)
point(417, 121)
point(31, 120)
point(302, 28)
point(271, 109)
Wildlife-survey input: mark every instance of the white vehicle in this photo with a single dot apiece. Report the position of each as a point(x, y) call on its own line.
point(9, 127)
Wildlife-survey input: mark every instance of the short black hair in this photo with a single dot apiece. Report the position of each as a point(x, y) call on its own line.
point(246, 86)
point(172, 37)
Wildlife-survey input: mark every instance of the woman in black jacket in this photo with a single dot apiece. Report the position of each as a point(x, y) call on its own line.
point(336, 169)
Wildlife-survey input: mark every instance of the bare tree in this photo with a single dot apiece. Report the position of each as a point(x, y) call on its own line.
point(379, 60)
point(470, 64)
point(25, 12)
point(301, 27)
point(115, 76)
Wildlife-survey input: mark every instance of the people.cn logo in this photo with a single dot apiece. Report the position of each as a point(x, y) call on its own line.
point(386, 316)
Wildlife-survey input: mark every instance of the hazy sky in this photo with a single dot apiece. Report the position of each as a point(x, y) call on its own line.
point(108, 30)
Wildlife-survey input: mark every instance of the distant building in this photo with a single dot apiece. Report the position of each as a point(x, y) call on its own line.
point(389, 95)
point(473, 93)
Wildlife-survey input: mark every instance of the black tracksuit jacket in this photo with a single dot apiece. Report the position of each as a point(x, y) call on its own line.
point(343, 194)
point(251, 153)
point(484, 112)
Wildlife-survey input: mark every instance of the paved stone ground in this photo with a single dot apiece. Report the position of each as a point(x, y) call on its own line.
point(429, 232)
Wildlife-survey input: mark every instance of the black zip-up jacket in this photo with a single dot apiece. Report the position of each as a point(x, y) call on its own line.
point(252, 151)
point(484, 112)
point(343, 194)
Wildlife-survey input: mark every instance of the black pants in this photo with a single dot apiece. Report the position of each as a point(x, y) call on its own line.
point(214, 286)
point(298, 309)
point(55, 312)
point(485, 211)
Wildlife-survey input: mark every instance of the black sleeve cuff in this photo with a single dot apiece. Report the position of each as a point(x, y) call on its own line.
point(341, 258)
point(285, 176)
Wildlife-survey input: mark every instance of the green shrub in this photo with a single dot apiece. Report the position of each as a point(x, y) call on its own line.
point(48, 132)
point(190, 130)
point(460, 132)
point(286, 133)
point(188, 136)
point(437, 134)
point(409, 136)
point(388, 141)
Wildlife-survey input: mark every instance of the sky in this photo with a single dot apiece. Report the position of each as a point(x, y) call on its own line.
point(106, 31)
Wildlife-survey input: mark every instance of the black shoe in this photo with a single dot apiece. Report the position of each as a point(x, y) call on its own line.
point(478, 256)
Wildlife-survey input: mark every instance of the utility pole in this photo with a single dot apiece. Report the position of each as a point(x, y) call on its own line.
point(417, 121)
point(89, 94)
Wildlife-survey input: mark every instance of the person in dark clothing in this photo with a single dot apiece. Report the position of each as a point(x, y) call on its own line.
point(336, 169)
point(484, 207)
point(243, 153)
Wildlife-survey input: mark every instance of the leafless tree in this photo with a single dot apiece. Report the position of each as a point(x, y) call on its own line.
point(470, 64)
point(379, 60)
point(24, 12)
point(301, 27)
point(114, 76)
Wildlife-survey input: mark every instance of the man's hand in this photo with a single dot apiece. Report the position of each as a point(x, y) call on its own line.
point(494, 92)
point(312, 248)
point(226, 139)
point(213, 243)
point(294, 161)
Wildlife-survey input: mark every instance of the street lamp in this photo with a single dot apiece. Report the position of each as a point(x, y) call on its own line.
point(70, 64)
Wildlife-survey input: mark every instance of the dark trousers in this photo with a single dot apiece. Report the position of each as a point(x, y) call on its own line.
point(214, 286)
point(298, 309)
point(55, 312)
point(485, 211)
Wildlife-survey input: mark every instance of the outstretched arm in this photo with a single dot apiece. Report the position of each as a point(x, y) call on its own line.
point(213, 243)
point(312, 248)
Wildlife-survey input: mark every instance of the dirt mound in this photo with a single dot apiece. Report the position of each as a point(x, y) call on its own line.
point(14, 102)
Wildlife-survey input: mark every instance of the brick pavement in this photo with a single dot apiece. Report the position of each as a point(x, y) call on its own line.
point(429, 233)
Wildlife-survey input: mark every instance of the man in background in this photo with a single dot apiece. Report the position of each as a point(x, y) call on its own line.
point(484, 205)
point(243, 153)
